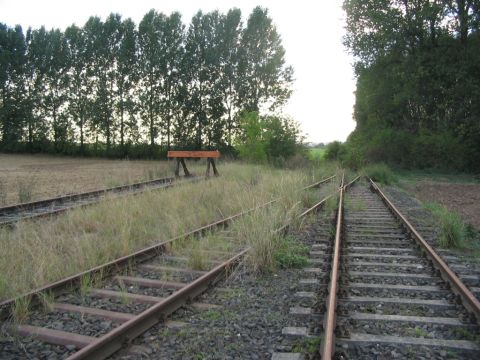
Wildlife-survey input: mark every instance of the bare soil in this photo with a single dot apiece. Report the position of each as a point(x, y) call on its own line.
point(461, 198)
point(51, 176)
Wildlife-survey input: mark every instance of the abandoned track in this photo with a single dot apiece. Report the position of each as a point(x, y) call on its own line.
point(395, 297)
point(380, 291)
point(9, 215)
point(115, 302)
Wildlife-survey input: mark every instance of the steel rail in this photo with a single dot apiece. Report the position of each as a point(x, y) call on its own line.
point(103, 270)
point(20, 210)
point(469, 300)
point(114, 340)
point(327, 345)
point(318, 183)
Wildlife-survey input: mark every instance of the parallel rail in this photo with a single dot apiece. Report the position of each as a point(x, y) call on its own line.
point(9, 215)
point(99, 348)
point(469, 301)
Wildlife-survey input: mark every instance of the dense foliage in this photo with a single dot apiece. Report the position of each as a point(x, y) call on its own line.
point(268, 138)
point(114, 88)
point(418, 68)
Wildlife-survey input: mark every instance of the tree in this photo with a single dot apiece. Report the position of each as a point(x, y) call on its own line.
point(12, 86)
point(265, 78)
point(126, 78)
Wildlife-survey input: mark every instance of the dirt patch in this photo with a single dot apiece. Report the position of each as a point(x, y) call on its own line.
point(461, 198)
point(48, 176)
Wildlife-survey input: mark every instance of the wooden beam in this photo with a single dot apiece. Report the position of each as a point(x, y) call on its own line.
point(194, 154)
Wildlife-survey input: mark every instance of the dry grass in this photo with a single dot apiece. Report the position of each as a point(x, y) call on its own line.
point(35, 177)
point(36, 253)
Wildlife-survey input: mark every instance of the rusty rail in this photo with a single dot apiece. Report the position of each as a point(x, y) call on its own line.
point(48, 204)
point(468, 300)
point(318, 183)
point(58, 287)
point(327, 345)
point(114, 340)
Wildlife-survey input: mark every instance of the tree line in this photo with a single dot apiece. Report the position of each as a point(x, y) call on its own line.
point(417, 64)
point(114, 88)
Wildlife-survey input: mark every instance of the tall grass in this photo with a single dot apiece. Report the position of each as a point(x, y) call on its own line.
point(38, 252)
point(453, 231)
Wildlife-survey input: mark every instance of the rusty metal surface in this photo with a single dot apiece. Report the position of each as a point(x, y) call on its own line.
point(114, 340)
point(193, 154)
point(469, 300)
point(52, 336)
point(54, 206)
point(328, 341)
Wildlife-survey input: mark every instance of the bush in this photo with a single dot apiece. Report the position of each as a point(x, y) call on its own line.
point(333, 150)
point(380, 172)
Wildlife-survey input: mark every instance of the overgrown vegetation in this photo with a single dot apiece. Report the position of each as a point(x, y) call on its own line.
point(268, 138)
point(452, 228)
point(417, 65)
point(380, 172)
point(35, 253)
point(290, 253)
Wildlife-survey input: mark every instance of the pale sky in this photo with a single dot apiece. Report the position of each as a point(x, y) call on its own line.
point(311, 30)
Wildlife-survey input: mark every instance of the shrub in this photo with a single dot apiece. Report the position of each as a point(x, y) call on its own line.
point(380, 172)
point(333, 150)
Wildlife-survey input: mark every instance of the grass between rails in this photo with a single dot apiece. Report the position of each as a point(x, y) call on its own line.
point(36, 253)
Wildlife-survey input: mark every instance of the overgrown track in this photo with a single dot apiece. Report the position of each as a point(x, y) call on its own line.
point(9, 215)
point(395, 297)
point(107, 314)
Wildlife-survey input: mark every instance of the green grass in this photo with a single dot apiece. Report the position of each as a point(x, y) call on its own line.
point(436, 176)
point(453, 231)
point(316, 154)
point(290, 253)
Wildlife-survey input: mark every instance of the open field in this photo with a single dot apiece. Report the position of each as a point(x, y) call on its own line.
point(36, 177)
point(43, 251)
point(457, 192)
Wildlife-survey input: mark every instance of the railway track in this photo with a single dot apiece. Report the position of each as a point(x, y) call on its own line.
point(116, 302)
point(9, 215)
point(379, 291)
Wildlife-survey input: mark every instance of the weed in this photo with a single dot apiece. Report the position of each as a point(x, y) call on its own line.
point(211, 315)
point(466, 334)
point(291, 253)
point(86, 284)
point(25, 188)
point(47, 299)
point(417, 332)
point(309, 345)
point(182, 333)
point(124, 297)
point(453, 231)
point(3, 192)
point(380, 172)
point(21, 309)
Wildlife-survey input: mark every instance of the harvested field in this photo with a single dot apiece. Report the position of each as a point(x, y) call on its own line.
point(461, 198)
point(34, 177)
